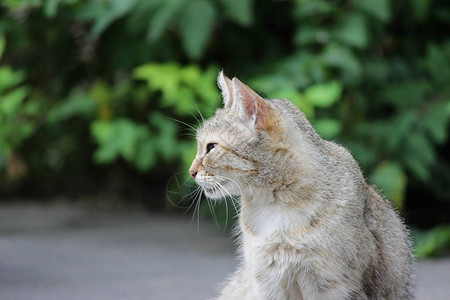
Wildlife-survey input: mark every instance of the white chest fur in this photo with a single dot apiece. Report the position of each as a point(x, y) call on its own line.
point(287, 257)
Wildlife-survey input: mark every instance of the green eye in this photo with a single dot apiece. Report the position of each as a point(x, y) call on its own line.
point(210, 146)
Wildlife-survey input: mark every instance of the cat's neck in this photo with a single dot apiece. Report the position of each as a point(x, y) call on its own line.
point(294, 196)
point(267, 212)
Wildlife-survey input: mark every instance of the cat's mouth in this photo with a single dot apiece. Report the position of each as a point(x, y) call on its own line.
point(215, 190)
point(210, 189)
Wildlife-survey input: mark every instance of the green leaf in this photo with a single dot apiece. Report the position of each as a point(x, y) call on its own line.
point(418, 154)
point(353, 31)
point(324, 95)
point(164, 77)
point(398, 129)
point(406, 94)
point(438, 65)
point(377, 70)
point(146, 155)
point(208, 94)
point(307, 35)
point(239, 11)
point(103, 132)
point(120, 137)
point(115, 9)
point(11, 102)
point(77, 105)
point(164, 16)
point(32, 107)
point(166, 136)
point(196, 23)
point(432, 242)
point(50, 8)
point(274, 83)
point(341, 57)
point(379, 9)
point(181, 87)
point(314, 8)
point(391, 179)
point(436, 121)
point(2, 45)
point(104, 13)
point(10, 78)
point(328, 128)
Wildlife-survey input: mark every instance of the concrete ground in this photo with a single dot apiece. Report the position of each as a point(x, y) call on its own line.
point(60, 252)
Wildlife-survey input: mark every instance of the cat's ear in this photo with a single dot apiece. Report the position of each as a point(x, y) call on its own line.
point(251, 108)
point(226, 86)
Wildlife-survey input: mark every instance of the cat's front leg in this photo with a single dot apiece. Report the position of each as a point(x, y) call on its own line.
point(271, 290)
point(239, 286)
point(319, 282)
point(275, 282)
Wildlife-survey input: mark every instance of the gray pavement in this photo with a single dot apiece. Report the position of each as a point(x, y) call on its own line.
point(61, 252)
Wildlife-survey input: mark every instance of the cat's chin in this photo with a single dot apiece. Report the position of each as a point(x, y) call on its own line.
point(220, 189)
point(213, 193)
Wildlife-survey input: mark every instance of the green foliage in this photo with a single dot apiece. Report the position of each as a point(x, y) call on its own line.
point(316, 96)
point(111, 81)
point(352, 32)
point(380, 10)
point(433, 242)
point(50, 7)
point(390, 109)
point(239, 11)
point(193, 20)
point(188, 91)
point(196, 25)
point(123, 138)
point(2, 45)
point(324, 95)
point(328, 128)
point(77, 104)
point(185, 89)
point(105, 13)
point(17, 113)
point(391, 179)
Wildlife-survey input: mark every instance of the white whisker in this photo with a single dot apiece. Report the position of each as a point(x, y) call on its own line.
point(195, 106)
point(195, 196)
point(184, 123)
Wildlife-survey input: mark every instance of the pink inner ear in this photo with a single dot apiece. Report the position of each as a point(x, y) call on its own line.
point(253, 110)
point(250, 104)
point(246, 98)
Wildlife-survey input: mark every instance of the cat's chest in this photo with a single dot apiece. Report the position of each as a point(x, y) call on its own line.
point(274, 251)
point(273, 235)
point(268, 221)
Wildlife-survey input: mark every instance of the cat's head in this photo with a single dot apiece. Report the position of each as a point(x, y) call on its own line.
point(243, 146)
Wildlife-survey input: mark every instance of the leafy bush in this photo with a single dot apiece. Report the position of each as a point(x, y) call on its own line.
point(17, 117)
point(108, 84)
point(433, 242)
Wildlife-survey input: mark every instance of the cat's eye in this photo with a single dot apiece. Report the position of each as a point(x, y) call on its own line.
point(210, 146)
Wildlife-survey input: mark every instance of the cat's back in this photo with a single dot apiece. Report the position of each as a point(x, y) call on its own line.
point(393, 267)
point(390, 273)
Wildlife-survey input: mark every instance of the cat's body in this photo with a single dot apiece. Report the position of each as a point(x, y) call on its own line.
point(310, 226)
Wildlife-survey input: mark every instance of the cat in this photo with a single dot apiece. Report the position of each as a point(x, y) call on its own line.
point(310, 226)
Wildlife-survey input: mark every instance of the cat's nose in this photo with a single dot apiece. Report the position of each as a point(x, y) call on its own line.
point(195, 167)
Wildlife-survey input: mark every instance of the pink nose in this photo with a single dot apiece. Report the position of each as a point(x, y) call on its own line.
point(193, 174)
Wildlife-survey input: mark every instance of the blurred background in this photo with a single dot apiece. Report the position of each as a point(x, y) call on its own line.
point(97, 97)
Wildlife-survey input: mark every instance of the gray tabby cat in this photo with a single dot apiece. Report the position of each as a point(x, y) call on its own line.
point(311, 227)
